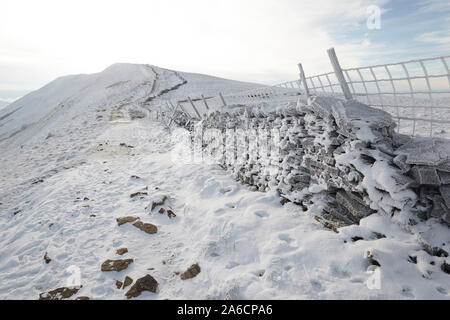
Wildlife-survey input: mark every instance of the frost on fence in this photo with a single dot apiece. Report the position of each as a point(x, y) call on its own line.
point(416, 93)
point(198, 107)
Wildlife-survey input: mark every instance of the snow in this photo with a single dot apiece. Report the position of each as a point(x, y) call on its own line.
point(247, 244)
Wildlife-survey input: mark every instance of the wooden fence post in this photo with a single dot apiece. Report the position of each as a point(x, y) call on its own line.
point(339, 74)
point(195, 109)
point(223, 100)
point(204, 101)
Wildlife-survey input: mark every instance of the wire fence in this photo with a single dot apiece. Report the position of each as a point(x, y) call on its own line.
point(416, 93)
point(198, 107)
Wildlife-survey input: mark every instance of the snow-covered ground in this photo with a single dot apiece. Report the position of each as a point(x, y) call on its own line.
point(66, 177)
point(3, 103)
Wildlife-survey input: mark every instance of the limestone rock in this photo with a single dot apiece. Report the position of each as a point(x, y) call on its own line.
point(147, 283)
point(121, 251)
point(116, 265)
point(139, 193)
point(127, 282)
point(191, 272)
point(444, 177)
point(170, 214)
point(426, 151)
point(158, 202)
point(59, 294)
point(146, 227)
point(445, 193)
point(123, 220)
point(425, 175)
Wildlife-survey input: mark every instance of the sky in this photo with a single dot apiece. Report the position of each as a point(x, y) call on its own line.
point(249, 40)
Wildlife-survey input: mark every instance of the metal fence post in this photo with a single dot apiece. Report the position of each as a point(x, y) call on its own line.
point(339, 74)
point(223, 100)
point(303, 79)
point(195, 109)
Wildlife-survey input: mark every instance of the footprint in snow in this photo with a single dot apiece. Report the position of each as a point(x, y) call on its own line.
point(285, 237)
point(261, 213)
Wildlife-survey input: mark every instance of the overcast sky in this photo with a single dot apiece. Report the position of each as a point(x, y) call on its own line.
point(251, 40)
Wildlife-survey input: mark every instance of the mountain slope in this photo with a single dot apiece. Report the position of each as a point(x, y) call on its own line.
point(118, 84)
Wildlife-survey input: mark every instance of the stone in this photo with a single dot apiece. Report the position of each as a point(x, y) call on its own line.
point(444, 177)
point(356, 208)
point(304, 178)
point(116, 265)
point(191, 272)
point(170, 214)
point(121, 251)
point(139, 193)
point(119, 284)
point(161, 211)
point(160, 202)
point(433, 251)
point(147, 283)
point(439, 209)
point(146, 227)
point(400, 162)
point(340, 213)
point(445, 267)
point(445, 167)
point(351, 113)
point(445, 193)
point(425, 175)
point(46, 258)
point(59, 294)
point(123, 220)
point(426, 151)
point(404, 181)
point(127, 282)
point(82, 298)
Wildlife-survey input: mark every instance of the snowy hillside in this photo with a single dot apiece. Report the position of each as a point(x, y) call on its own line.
point(118, 84)
point(74, 164)
point(3, 103)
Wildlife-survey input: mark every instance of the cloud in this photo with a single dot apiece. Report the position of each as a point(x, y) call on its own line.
point(253, 40)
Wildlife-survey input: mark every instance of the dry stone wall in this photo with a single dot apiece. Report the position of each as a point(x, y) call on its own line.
point(344, 150)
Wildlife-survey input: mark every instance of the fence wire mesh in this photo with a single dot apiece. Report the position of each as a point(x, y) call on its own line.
point(416, 92)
